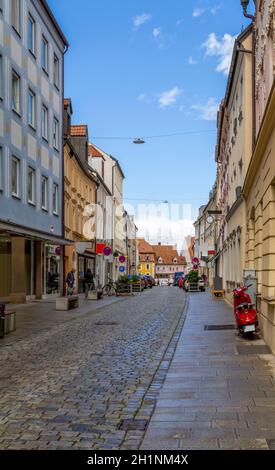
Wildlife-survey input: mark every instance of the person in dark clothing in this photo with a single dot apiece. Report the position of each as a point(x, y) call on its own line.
point(70, 279)
point(88, 281)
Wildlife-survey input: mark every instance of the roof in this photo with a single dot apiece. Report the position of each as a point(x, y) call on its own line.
point(94, 152)
point(168, 253)
point(79, 130)
point(55, 23)
point(144, 247)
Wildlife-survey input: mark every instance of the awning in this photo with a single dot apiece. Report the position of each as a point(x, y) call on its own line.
point(29, 233)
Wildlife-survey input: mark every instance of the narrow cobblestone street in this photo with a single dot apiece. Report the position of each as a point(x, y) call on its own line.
point(71, 385)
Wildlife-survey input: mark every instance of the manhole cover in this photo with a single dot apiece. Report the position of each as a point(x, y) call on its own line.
point(271, 444)
point(260, 349)
point(106, 323)
point(219, 327)
point(133, 424)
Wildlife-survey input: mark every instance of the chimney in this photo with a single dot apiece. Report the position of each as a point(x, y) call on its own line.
point(68, 111)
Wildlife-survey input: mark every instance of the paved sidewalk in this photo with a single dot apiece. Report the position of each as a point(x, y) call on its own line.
point(37, 316)
point(217, 395)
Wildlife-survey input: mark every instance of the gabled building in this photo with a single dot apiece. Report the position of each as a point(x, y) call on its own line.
point(168, 261)
point(147, 261)
point(79, 200)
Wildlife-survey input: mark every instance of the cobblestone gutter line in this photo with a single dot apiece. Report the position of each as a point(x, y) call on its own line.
point(134, 437)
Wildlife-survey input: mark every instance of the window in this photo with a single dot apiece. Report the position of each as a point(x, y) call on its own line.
point(147, 266)
point(16, 15)
point(16, 92)
point(44, 193)
point(1, 76)
point(31, 185)
point(1, 169)
point(56, 134)
point(31, 34)
point(45, 54)
point(45, 122)
point(55, 199)
point(56, 71)
point(31, 108)
point(15, 177)
point(1, 6)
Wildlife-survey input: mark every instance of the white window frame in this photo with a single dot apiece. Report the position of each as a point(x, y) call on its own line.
point(31, 199)
point(31, 34)
point(16, 15)
point(1, 168)
point(56, 71)
point(45, 48)
point(55, 199)
point(31, 108)
point(45, 123)
point(56, 133)
point(44, 193)
point(16, 92)
point(16, 161)
point(1, 76)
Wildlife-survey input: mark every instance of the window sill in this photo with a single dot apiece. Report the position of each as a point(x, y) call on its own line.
point(56, 214)
point(32, 54)
point(31, 203)
point(45, 72)
point(45, 140)
point(17, 113)
point(32, 127)
point(16, 196)
point(57, 87)
point(17, 32)
point(44, 209)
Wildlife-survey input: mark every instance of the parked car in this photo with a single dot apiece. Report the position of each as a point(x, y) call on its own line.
point(163, 282)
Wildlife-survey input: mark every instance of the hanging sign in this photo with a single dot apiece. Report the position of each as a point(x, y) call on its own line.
point(99, 248)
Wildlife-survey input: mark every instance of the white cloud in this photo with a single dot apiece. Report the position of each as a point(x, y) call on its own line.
point(178, 22)
point(222, 49)
point(141, 97)
point(197, 12)
point(215, 9)
point(191, 61)
point(156, 32)
point(169, 97)
point(139, 20)
point(208, 111)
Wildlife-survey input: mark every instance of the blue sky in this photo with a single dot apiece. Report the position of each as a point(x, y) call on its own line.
point(151, 67)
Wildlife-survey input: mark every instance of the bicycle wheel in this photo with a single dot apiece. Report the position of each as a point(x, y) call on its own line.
point(106, 289)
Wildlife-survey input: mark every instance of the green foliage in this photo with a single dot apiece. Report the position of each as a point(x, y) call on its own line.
point(123, 279)
point(135, 278)
point(193, 276)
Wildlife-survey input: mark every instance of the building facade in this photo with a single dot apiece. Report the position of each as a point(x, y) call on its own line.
point(80, 188)
point(147, 263)
point(168, 261)
point(32, 48)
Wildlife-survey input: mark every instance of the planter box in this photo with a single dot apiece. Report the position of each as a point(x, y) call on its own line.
point(10, 322)
point(95, 294)
point(124, 290)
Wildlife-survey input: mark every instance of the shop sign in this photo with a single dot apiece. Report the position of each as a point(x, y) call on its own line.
point(100, 248)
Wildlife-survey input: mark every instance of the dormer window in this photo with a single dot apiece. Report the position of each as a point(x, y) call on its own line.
point(175, 260)
point(160, 260)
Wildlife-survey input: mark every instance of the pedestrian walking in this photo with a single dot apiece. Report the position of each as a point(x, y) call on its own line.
point(70, 279)
point(181, 282)
point(88, 282)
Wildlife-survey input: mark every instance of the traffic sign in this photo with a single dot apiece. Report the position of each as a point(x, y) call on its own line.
point(122, 259)
point(121, 269)
point(107, 250)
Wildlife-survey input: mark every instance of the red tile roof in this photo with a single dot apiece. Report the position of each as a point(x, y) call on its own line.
point(168, 253)
point(79, 131)
point(93, 152)
point(144, 247)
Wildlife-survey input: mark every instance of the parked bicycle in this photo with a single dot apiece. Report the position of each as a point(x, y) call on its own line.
point(110, 288)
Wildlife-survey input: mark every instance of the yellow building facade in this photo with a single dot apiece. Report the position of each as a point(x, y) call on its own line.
point(147, 265)
point(80, 188)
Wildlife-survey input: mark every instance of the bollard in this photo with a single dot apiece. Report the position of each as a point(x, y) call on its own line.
point(2, 320)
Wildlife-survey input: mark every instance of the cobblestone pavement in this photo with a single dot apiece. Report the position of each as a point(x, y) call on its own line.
point(219, 392)
point(70, 387)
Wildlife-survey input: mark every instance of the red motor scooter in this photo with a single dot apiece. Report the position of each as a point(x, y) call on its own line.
point(245, 312)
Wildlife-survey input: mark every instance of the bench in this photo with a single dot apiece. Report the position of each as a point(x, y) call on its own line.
point(66, 303)
point(95, 294)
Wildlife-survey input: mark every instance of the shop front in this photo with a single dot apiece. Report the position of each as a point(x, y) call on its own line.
point(85, 262)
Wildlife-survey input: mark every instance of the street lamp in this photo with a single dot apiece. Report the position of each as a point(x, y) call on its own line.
point(138, 141)
point(245, 4)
